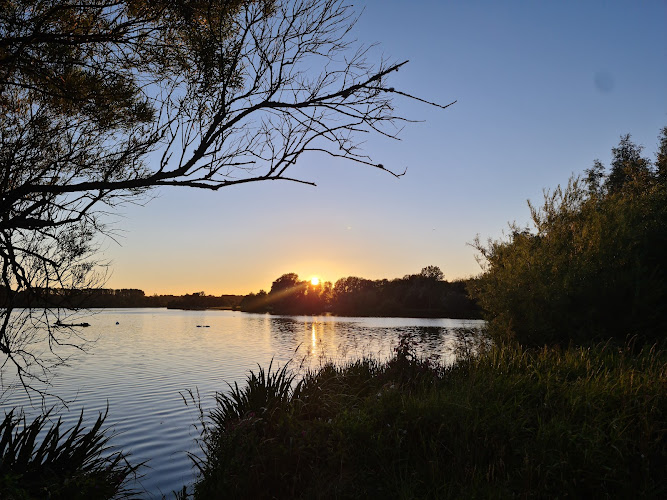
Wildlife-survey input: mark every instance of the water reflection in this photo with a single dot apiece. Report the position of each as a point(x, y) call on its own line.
point(313, 340)
point(317, 339)
point(140, 367)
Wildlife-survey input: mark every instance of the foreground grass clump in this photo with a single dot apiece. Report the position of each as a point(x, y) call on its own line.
point(511, 422)
point(37, 461)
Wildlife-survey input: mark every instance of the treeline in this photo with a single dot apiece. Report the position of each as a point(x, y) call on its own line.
point(113, 298)
point(593, 264)
point(426, 294)
point(200, 300)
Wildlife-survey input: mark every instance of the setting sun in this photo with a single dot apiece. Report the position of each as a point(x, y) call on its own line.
point(315, 281)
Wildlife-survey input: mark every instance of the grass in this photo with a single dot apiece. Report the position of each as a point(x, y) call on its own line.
point(41, 460)
point(507, 423)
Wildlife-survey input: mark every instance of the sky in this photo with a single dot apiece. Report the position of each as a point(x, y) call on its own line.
point(542, 90)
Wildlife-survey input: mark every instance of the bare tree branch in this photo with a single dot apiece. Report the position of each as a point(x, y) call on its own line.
point(104, 100)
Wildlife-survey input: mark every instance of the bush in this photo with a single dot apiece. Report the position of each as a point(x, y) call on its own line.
point(592, 266)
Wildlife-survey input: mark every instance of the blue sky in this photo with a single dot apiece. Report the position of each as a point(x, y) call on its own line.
point(543, 88)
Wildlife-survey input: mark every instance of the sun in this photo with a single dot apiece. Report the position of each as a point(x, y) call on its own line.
point(314, 281)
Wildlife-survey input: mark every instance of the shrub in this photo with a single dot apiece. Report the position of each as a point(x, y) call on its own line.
point(591, 267)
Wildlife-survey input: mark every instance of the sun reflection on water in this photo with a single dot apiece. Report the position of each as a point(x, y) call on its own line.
point(145, 358)
point(313, 337)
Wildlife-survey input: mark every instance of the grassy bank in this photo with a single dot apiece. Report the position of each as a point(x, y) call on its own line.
point(511, 422)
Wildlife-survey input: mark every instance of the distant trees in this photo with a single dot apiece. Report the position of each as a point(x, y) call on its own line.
point(124, 297)
point(198, 300)
point(432, 273)
point(287, 283)
point(287, 291)
point(101, 101)
point(592, 266)
point(423, 294)
point(289, 295)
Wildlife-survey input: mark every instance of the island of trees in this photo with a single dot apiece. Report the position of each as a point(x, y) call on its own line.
point(426, 294)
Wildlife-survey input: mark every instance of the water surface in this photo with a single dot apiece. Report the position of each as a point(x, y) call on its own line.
point(142, 366)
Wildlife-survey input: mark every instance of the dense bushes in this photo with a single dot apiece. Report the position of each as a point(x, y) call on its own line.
point(511, 423)
point(592, 266)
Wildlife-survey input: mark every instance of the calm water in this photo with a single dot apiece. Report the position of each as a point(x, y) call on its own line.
point(142, 365)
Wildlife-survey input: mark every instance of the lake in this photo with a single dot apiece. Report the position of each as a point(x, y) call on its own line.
point(141, 366)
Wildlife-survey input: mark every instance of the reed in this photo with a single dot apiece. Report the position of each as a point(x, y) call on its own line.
point(507, 422)
point(43, 460)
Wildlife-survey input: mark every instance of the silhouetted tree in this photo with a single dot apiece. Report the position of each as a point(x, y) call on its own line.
point(432, 273)
point(595, 177)
point(287, 294)
point(661, 158)
point(627, 164)
point(592, 266)
point(354, 296)
point(287, 281)
point(221, 92)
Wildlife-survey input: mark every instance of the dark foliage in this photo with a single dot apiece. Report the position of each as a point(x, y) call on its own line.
point(38, 461)
point(510, 423)
point(426, 294)
point(124, 297)
point(592, 266)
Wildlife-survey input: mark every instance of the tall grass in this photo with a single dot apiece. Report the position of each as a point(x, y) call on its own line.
point(42, 460)
point(264, 391)
point(508, 422)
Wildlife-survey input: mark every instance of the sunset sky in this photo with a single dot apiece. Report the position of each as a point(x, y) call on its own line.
point(543, 89)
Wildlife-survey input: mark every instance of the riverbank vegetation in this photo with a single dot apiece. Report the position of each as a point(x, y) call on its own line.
point(426, 294)
point(564, 395)
point(592, 265)
point(580, 422)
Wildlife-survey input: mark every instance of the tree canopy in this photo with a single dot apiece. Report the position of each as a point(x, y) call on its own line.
point(103, 100)
point(426, 294)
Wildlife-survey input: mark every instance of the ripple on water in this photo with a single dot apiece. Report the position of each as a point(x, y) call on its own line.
point(139, 368)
